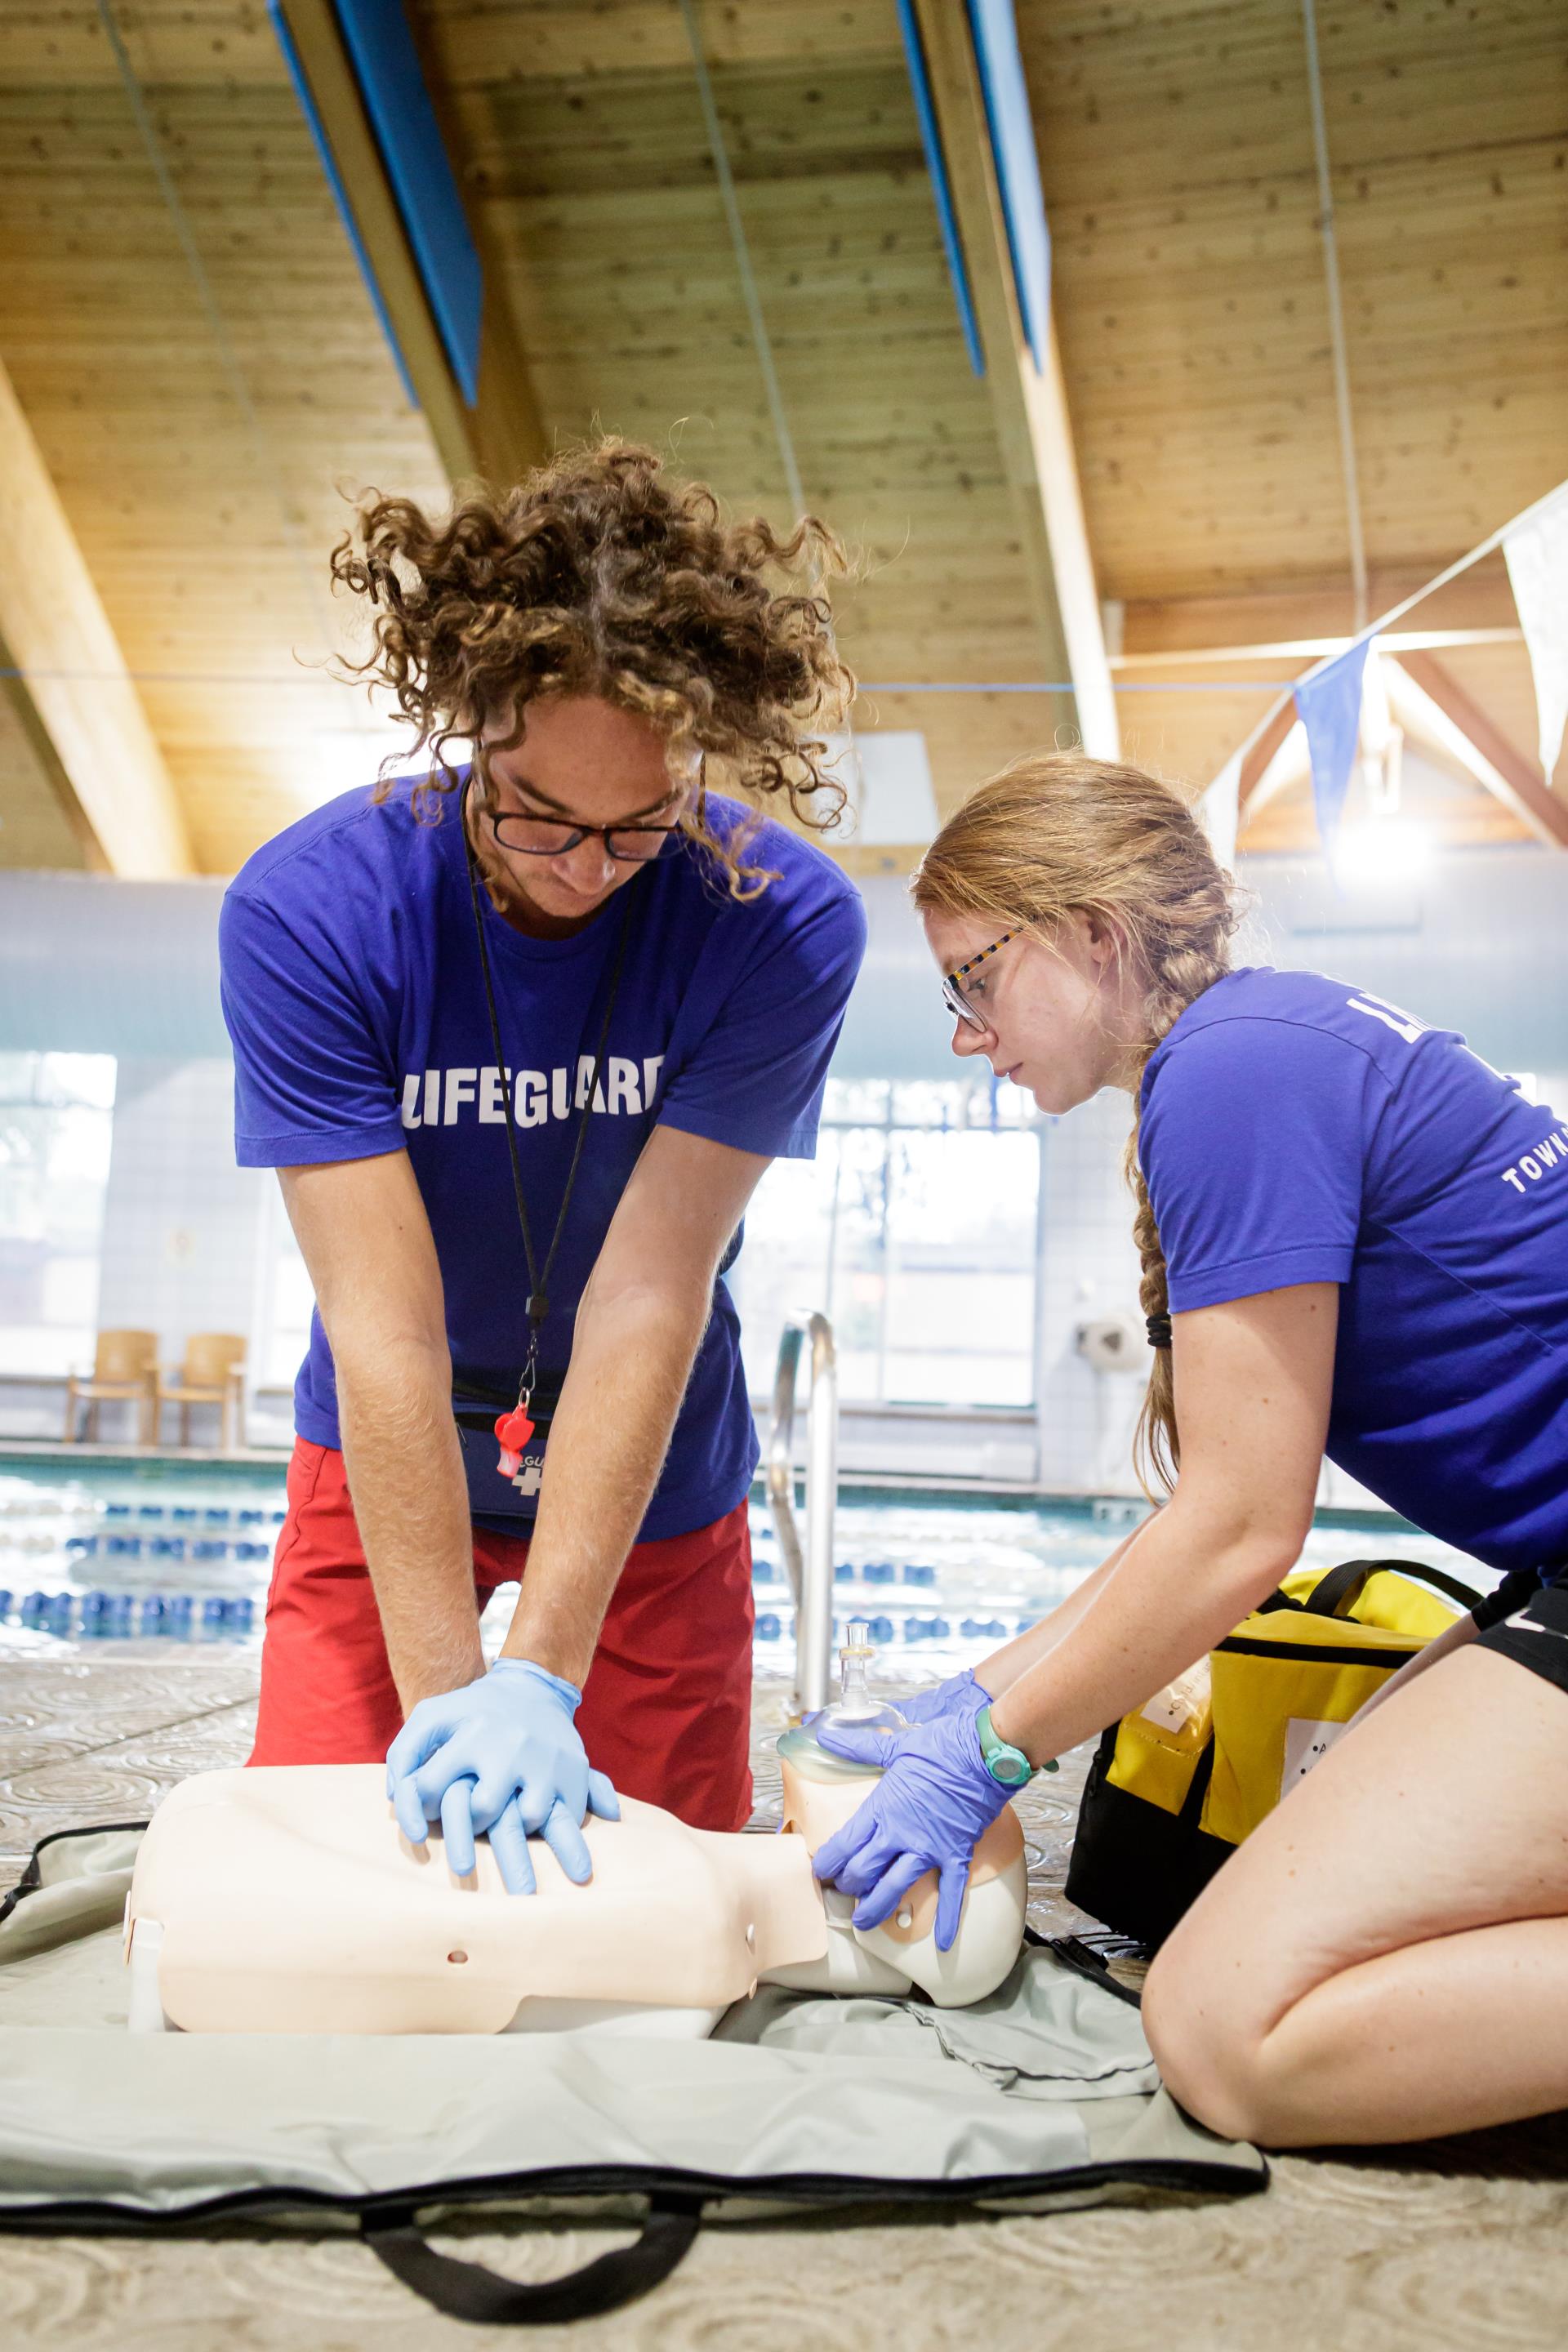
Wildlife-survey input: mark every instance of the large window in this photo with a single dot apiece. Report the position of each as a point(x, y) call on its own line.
point(56, 1111)
point(915, 1228)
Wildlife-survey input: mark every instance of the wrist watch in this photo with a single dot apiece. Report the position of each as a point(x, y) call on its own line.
point(1006, 1764)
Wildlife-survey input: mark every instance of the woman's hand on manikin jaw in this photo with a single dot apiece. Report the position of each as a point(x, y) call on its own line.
point(1061, 1021)
point(581, 761)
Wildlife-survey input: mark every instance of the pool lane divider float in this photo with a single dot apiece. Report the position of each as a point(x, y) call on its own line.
point(128, 1616)
point(215, 1514)
point(185, 1616)
point(122, 1616)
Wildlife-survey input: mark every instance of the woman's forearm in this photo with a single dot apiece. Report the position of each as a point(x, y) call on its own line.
point(1004, 1667)
point(1184, 1581)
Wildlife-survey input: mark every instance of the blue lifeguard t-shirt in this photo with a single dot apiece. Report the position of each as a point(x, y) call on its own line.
point(1298, 1129)
point(353, 993)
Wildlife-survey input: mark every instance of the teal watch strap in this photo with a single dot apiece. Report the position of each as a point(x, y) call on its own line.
point(1007, 1765)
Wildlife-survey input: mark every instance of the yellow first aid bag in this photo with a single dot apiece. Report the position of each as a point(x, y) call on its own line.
point(1174, 1788)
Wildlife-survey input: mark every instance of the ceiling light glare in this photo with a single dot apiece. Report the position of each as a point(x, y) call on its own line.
point(348, 758)
point(1385, 853)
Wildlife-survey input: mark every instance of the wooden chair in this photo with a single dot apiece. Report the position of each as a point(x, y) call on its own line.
point(212, 1373)
point(125, 1371)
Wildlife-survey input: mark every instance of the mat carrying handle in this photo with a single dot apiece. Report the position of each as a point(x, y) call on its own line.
point(1343, 1587)
point(468, 2291)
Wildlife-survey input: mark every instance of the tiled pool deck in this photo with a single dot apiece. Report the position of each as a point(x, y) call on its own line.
point(1462, 2244)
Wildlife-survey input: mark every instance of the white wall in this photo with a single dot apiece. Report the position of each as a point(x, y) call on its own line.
point(1484, 945)
point(184, 1228)
point(1088, 1268)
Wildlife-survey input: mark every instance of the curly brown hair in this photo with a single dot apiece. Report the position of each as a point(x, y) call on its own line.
point(599, 575)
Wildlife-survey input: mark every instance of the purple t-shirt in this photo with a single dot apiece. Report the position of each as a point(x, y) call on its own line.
point(1298, 1129)
point(353, 993)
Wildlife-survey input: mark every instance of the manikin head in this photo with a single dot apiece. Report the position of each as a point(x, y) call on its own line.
point(608, 638)
point(1120, 915)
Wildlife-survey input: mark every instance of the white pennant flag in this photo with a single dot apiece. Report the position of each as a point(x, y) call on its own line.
point(1537, 555)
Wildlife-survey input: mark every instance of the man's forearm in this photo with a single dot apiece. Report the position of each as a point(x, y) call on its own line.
point(406, 1477)
point(632, 1354)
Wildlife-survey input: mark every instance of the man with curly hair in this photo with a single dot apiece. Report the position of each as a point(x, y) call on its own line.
point(521, 1036)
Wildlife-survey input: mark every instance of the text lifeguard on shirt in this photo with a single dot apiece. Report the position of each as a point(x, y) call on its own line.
point(453, 1097)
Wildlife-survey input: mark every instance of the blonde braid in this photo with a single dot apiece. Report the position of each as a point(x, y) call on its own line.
point(1059, 835)
point(1177, 983)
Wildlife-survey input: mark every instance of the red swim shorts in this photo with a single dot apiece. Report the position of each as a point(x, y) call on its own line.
point(667, 1709)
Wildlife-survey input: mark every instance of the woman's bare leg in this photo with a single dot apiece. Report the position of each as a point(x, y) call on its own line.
point(1386, 1958)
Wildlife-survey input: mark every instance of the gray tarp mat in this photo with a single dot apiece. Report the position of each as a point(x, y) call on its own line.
point(1047, 2090)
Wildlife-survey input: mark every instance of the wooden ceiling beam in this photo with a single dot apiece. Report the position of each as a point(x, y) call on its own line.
point(78, 692)
point(36, 785)
point(1430, 700)
point(1260, 753)
point(1028, 403)
point(1476, 609)
point(503, 434)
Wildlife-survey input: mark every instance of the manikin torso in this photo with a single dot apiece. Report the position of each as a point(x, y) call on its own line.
point(287, 1901)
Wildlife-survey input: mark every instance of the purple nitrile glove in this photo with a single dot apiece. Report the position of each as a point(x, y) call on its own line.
point(962, 1694)
point(934, 1801)
point(501, 1755)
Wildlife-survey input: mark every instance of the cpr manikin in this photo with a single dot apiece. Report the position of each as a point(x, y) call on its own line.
point(287, 1901)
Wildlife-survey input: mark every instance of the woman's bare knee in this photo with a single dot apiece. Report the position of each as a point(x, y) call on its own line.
point(1206, 2059)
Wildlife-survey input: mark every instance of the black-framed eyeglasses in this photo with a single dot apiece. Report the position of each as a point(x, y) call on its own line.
point(548, 837)
point(952, 994)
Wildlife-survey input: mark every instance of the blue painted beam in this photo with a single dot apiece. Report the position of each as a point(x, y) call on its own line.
point(941, 189)
point(1012, 126)
point(381, 48)
point(303, 93)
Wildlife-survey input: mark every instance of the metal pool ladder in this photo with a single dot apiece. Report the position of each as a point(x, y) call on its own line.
point(810, 1574)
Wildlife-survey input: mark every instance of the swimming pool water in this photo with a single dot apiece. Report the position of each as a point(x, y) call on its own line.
point(100, 1550)
point(114, 1551)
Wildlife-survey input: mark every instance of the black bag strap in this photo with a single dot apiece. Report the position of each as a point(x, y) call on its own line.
point(468, 2291)
point(1191, 1812)
point(32, 1878)
point(1334, 1594)
point(478, 1396)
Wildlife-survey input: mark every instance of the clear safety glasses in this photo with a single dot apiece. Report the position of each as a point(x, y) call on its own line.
point(952, 992)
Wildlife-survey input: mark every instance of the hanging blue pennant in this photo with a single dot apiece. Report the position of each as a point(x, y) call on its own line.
point(1329, 705)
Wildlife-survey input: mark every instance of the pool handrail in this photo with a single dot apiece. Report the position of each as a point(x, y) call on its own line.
point(810, 1572)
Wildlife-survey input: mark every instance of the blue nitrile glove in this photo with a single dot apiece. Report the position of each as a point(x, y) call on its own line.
point(502, 1755)
point(934, 1800)
point(962, 1693)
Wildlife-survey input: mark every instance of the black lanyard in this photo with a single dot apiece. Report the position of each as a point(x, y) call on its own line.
point(538, 1277)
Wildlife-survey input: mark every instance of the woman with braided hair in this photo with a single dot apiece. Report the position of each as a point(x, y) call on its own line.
point(1353, 1241)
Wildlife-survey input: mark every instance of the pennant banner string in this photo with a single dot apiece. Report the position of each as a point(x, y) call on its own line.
point(1407, 603)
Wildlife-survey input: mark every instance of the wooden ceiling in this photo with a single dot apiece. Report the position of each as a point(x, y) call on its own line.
point(205, 378)
point(1176, 154)
point(198, 433)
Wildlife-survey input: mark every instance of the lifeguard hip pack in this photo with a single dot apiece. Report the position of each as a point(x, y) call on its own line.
point(1175, 1787)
